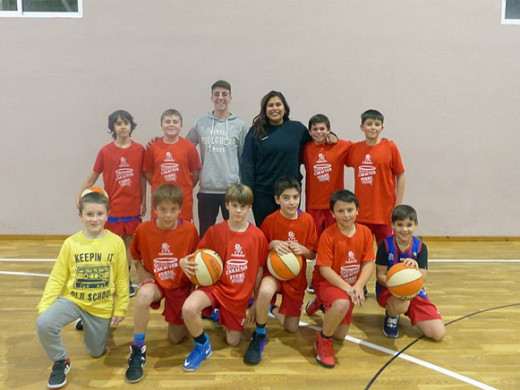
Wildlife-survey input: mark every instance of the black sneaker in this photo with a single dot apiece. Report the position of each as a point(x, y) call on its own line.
point(79, 324)
point(310, 289)
point(134, 372)
point(391, 326)
point(58, 377)
point(131, 290)
point(365, 291)
point(254, 351)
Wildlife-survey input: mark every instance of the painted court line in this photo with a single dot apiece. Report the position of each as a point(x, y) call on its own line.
point(411, 359)
point(24, 274)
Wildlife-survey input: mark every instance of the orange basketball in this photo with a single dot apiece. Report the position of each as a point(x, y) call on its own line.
point(94, 189)
point(404, 282)
point(209, 267)
point(284, 267)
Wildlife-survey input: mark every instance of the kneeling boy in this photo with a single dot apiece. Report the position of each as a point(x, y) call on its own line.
point(243, 250)
point(345, 262)
point(287, 230)
point(157, 247)
point(403, 247)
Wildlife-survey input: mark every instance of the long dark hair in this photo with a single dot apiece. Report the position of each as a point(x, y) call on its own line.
point(261, 119)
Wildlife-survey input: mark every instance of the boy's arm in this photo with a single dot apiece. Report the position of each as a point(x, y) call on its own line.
point(381, 274)
point(57, 280)
point(333, 278)
point(149, 177)
point(400, 184)
point(142, 183)
point(299, 249)
point(357, 295)
point(251, 316)
point(89, 182)
point(142, 274)
point(195, 175)
point(121, 283)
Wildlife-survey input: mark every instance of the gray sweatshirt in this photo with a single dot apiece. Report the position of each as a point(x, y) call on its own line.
point(221, 142)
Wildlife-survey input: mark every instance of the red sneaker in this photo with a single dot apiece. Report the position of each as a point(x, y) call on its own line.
point(313, 306)
point(324, 351)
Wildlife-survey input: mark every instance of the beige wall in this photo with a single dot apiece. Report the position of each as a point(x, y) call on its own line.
point(444, 73)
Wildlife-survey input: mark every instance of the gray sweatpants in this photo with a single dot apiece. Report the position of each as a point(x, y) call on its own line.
point(61, 313)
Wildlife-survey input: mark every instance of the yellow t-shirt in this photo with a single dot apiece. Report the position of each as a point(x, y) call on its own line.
point(92, 273)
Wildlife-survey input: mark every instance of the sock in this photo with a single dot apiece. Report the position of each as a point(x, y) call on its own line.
point(260, 329)
point(201, 339)
point(325, 337)
point(139, 339)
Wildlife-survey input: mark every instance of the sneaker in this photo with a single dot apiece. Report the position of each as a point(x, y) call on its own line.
point(254, 351)
point(310, 289)
point(136, 361)
point(58, 377)
point(365, 291)
point(324, 351)
point(131, 290)
point(214, 316)
point(199, 353)
point(391, 326)
point(270, 314)
point(313, 306)
point(79, 324)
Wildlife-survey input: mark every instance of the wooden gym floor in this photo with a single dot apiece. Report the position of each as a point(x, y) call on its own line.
point(474, 283)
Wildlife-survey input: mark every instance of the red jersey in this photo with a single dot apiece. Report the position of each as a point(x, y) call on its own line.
point(375, 169)
point(161, 249)
point(324, 172)
point(122, 169)
point(344, 254)
point(242, 253)
point(173, 163)
point(301, 230)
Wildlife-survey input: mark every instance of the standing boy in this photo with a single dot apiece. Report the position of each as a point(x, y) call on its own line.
point(220, 135)
point(404, 247)
point(324, 167)
point(89, 281)
point(379, 175)
point(345, 262)
point(157, 247)
point(243, 250)
point(172, 159)
point(287, 230)
point(121, 163)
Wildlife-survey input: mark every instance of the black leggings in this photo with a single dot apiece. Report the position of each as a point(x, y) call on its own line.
point(263, 205)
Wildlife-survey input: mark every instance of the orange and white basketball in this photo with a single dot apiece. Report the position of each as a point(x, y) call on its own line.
point(209, 267)
point(404, 282)
point(94, 189)
point(284, 267)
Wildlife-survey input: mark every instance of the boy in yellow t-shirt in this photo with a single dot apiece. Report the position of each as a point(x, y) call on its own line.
point(88, 281)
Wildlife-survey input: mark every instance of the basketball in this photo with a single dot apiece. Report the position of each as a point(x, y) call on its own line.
point(209, 267)
point(284, 267)
point(404, 282)
point(94, 189)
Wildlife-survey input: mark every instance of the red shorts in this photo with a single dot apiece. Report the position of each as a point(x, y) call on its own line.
point(322, 219)
point(289, 306)
point(420, 309)
point(379, 231)
point(122, 228)
point(173, 301)
point(327, 294)
point(230, 320)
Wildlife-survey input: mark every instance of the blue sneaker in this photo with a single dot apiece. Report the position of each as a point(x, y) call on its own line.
point(199, 353)
point(391, 326)
point(254, 351)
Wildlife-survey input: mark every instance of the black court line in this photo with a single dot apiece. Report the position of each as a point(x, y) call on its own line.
point(374, 378)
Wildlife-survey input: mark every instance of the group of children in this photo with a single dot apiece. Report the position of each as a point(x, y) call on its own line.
point(90, 279)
